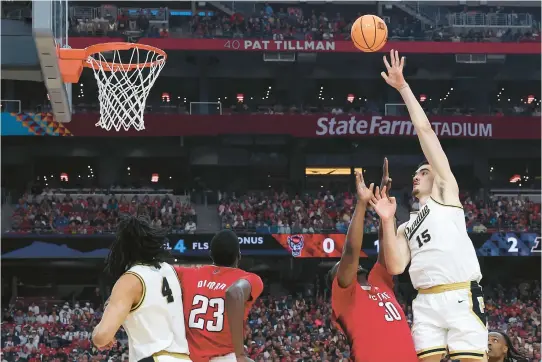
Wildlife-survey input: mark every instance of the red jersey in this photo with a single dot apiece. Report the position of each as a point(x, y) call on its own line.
point(204, 292)
point(373, 320)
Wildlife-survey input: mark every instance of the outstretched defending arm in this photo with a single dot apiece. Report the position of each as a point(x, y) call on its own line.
point(127, 292)
point(348, 266)
point(429, 142)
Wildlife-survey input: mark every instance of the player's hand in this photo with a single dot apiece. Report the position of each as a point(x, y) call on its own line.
point(395, 76)
point(384, 206)
point(386, 179)
point(364, 193)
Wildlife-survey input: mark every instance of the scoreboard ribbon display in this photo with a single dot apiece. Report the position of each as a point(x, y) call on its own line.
point(16, 246)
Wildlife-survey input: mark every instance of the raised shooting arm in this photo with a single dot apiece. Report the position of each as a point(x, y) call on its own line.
point(429, 142)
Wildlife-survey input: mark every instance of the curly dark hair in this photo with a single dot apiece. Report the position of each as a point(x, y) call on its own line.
point(136, 242)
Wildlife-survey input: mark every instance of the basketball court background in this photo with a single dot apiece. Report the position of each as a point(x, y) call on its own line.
point(50, 26)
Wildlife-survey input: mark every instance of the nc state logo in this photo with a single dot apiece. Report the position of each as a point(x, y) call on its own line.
point(296, 244)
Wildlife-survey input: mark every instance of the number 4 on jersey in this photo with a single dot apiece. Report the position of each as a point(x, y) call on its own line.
point(166, 291)
point(423, 238)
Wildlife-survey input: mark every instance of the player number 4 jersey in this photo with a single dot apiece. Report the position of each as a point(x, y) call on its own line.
point(440, 248)
point(157, 323)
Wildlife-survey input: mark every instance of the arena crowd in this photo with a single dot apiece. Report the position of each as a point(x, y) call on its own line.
point(301, 22)
point(278, 213)
point(279, 329)
point(90, 214)
point(263, 213)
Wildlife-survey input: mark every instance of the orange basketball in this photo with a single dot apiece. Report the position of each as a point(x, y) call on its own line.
point(369, 33)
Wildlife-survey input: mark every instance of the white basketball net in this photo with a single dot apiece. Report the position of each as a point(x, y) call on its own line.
point(123, 93)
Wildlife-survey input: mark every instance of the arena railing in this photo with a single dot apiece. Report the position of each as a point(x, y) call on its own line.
point(155, 16)
point(473, 20)
point(113, 190)
point(106, 194)
point(84, 12)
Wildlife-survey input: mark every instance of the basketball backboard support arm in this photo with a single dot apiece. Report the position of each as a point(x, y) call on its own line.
point(50, 28)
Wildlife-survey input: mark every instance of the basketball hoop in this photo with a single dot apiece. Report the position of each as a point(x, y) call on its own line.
point(125, 73)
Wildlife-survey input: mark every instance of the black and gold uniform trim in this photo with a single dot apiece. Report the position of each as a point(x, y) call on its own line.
point(135, 307)
point(431, 351)
point(154, 357)
point(441, 204)
point(467, 354)
point(477, 304)
point(445, 288)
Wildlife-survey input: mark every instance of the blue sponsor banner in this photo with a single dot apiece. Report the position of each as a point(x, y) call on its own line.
point(26, 246)
point(54, 246)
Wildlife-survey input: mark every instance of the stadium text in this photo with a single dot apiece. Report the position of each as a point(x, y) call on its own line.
point(378, 126)
point(282, 45)
point(250, 240)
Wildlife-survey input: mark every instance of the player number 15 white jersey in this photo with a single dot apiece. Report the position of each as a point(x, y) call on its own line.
point(157, 322)
point(440, 248)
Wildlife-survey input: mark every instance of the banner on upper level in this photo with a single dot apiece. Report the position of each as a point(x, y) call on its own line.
point(317, 126)
point(319, 46)
point(55, 246)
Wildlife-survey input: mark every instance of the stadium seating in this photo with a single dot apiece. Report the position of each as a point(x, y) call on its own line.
point(98, 213)
point(279, 328)
point(324, 212)
point(301, 21)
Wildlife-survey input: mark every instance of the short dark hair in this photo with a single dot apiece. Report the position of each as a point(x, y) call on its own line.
point(423, 163)
point(225, 248)
point(136, 242)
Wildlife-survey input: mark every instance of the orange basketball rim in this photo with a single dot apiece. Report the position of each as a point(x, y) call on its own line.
point(72, 61)
point(125, 73)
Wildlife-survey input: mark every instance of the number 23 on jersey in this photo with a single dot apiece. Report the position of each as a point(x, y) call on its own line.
point(199, 317)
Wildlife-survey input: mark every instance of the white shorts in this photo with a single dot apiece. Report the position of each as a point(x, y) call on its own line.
point(227, 358)
point(450, 320)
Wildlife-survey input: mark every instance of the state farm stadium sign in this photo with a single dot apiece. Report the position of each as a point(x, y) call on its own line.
point(380, 127)
point(295, 125)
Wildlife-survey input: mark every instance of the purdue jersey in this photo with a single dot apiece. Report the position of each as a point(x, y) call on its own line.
point(156, 323)
point(441, 251)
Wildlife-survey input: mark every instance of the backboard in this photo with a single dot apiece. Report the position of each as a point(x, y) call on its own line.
point(50, 23)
